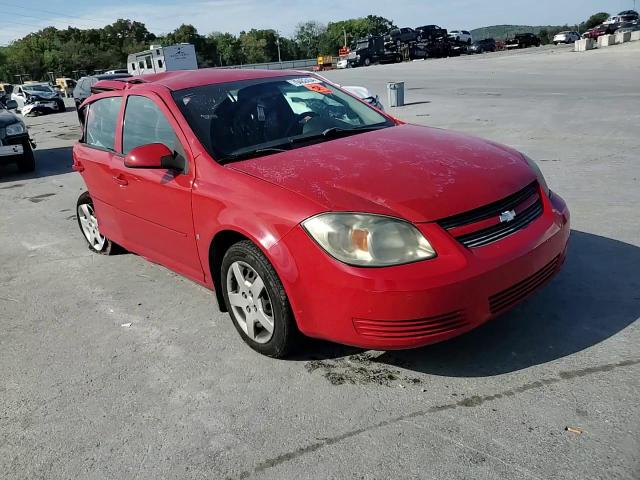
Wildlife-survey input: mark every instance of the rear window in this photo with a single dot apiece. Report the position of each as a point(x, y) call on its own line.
point(101, 122)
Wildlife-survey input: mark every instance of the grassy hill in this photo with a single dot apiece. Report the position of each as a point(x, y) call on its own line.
point(500, 32)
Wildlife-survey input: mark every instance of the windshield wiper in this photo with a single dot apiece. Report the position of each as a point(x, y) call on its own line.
point(251, 154)
point(335, 132)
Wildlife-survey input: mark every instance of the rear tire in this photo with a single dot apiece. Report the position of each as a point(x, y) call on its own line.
point(88, 223)
point(27, 162)
point(257, 301)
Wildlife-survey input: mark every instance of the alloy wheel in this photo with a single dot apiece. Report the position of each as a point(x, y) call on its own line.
point(250, 301)
point(89, 226)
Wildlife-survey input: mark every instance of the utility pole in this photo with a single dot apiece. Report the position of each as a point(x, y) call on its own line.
point(344, 30)
point(278, 44)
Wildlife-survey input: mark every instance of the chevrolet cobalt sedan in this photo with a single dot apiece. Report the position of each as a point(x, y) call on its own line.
point(308, 211)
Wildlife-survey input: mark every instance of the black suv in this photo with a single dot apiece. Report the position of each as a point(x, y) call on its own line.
point(83, 87)
point(482, 46)
point(524, 40)
point(398, 36)
point(431, 33)
point(15, 144)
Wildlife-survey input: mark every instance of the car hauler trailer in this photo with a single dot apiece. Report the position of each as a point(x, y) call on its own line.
point(163, 59)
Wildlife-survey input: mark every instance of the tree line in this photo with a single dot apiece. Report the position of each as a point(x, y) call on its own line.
point(73, 51)
point(70, 51)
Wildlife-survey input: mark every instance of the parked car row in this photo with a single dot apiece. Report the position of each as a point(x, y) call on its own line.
point(427, 33)
point(626, 21)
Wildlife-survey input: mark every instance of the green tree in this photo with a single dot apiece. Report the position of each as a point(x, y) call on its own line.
point(353, 29)
point(307, 37)
point(228, 49)
point(594, 21)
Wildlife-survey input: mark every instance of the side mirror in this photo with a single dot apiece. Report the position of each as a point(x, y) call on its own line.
point(154, 155)
point(148, 156)
point(11, 105)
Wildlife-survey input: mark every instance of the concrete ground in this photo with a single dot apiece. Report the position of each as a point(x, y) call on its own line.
point(178, 395)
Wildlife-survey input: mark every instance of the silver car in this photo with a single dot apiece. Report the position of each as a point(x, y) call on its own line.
point(566, 37)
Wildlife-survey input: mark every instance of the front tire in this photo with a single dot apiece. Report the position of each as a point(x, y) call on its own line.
point(27, 162)
point(88, 223)
point(256, 301)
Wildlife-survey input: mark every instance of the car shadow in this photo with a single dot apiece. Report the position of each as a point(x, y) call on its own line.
point(49, 162)
point(595, 296)
point(423, 102)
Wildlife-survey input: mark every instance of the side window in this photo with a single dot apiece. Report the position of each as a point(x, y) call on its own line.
point(101, 121)
point(144, 123)
point(148, 62)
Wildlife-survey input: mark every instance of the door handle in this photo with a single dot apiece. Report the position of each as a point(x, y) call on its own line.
point(120, 180)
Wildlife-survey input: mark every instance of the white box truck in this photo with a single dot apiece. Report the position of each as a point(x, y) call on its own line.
point(163, 59)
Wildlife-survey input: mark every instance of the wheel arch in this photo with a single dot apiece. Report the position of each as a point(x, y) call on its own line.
point(277, 254)
point(220, 243)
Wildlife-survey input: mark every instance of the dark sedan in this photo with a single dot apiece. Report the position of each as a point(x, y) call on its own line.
point(483, 46)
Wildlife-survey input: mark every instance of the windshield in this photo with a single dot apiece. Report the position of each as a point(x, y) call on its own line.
point(237, 119)
point(362, 44)
point(37, 88)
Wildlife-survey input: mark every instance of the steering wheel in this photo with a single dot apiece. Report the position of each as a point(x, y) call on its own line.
point(301, 119)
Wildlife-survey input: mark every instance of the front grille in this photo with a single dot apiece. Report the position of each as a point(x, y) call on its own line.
point(518, 202)
point(409, 329)
point(507, 298)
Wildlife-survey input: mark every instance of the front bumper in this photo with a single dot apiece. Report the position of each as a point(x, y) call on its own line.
point(13, 147)
point(422, 303)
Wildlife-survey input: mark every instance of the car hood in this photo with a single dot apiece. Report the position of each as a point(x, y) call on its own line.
point(7, 118)
point(42, 95)
point(417, 173)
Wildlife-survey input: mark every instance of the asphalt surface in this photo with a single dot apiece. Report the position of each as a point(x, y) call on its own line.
point(178, 395)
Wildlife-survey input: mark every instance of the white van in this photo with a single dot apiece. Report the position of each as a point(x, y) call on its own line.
point(163, 59)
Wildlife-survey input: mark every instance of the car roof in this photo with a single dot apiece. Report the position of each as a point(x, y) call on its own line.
point(182, 79)
point(110, 76)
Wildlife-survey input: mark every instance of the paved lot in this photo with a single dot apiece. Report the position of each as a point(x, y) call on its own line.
point(178, 395)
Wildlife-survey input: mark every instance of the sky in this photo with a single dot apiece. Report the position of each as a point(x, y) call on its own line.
point(20, 17)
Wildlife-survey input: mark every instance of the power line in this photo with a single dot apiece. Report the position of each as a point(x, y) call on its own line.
point(9, 14)
point(54, 13)
point(62, 16)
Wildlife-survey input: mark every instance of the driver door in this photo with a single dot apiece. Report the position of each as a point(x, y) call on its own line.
point(154, 205)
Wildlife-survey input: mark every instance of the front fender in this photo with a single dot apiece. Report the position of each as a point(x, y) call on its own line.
point(226, 200)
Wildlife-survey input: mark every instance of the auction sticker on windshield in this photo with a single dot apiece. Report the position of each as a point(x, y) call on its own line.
point(301, 82)
point(319, 88)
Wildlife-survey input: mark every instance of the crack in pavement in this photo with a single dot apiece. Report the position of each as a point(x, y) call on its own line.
point(474, 401)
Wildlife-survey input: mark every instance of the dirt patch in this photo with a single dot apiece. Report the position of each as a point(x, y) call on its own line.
point(360, 369)
point(41, 198)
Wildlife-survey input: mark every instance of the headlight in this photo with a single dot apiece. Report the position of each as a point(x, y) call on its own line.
point(536, 169)
point(367, 240)
point(15, 129)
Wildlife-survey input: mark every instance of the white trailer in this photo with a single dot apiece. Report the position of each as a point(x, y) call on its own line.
point(163, 59)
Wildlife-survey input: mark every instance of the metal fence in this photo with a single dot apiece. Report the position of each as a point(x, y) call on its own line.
point(285, 65)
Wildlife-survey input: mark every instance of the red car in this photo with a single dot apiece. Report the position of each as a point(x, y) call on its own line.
point(309, 211)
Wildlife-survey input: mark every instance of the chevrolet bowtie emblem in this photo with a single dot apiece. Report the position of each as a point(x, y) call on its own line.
point(507, 216)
